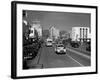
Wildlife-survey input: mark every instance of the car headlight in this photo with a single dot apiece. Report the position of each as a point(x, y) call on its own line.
point(58, 50)
point(64, 50)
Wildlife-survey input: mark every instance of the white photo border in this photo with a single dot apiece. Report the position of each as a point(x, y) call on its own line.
point(20, 6)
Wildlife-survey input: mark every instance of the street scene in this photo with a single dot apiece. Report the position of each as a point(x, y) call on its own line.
point(56, 39)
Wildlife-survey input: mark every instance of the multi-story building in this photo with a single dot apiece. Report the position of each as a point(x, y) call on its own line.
point(80, 34)
point(25, 25)
point(54, 33)
point(36, 26)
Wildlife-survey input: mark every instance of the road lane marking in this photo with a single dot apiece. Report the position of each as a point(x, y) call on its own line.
point(79, 53)
point(75, 60)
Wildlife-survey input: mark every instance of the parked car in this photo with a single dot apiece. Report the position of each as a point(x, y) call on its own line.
point(60, 49)
point(28, 53)
point(88, 48)
point(75, 44)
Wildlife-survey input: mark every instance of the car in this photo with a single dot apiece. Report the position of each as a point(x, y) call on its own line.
point(28, 56)
point(30, 51)
point(75, 44)
point(88, 48)
point(49, 43)
point(60, 49)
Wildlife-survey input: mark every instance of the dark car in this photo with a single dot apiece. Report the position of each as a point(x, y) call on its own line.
point(30, 51)
point(88, 48)
point(75, 44)
point(27, 53)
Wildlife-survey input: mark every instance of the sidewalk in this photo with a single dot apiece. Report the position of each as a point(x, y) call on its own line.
point(79, 53)
point(80, 50)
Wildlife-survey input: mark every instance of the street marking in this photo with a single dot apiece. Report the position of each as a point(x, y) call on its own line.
point(79, 53)
point(75, 60)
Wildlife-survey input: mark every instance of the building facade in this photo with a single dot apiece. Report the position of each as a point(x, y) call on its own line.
point(36, 26)
point(81, 34)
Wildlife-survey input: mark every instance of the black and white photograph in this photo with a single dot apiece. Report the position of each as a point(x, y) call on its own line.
point(56, 39)
point(53, 39)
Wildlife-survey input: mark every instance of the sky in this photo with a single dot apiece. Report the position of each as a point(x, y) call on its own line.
point(61, 20)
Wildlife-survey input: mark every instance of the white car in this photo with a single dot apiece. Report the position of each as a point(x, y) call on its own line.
point(60, 48)
point(49, 42)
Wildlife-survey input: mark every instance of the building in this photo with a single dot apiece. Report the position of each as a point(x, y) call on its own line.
point(80, 34)
point(36, 26)
point(25, 25)
point(29, 30)
point(54, 33)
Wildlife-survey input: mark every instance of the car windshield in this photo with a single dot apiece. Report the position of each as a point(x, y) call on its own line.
point(60, 46)
point(49, 41)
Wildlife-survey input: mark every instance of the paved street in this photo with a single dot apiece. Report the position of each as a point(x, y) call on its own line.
point(49, 59)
